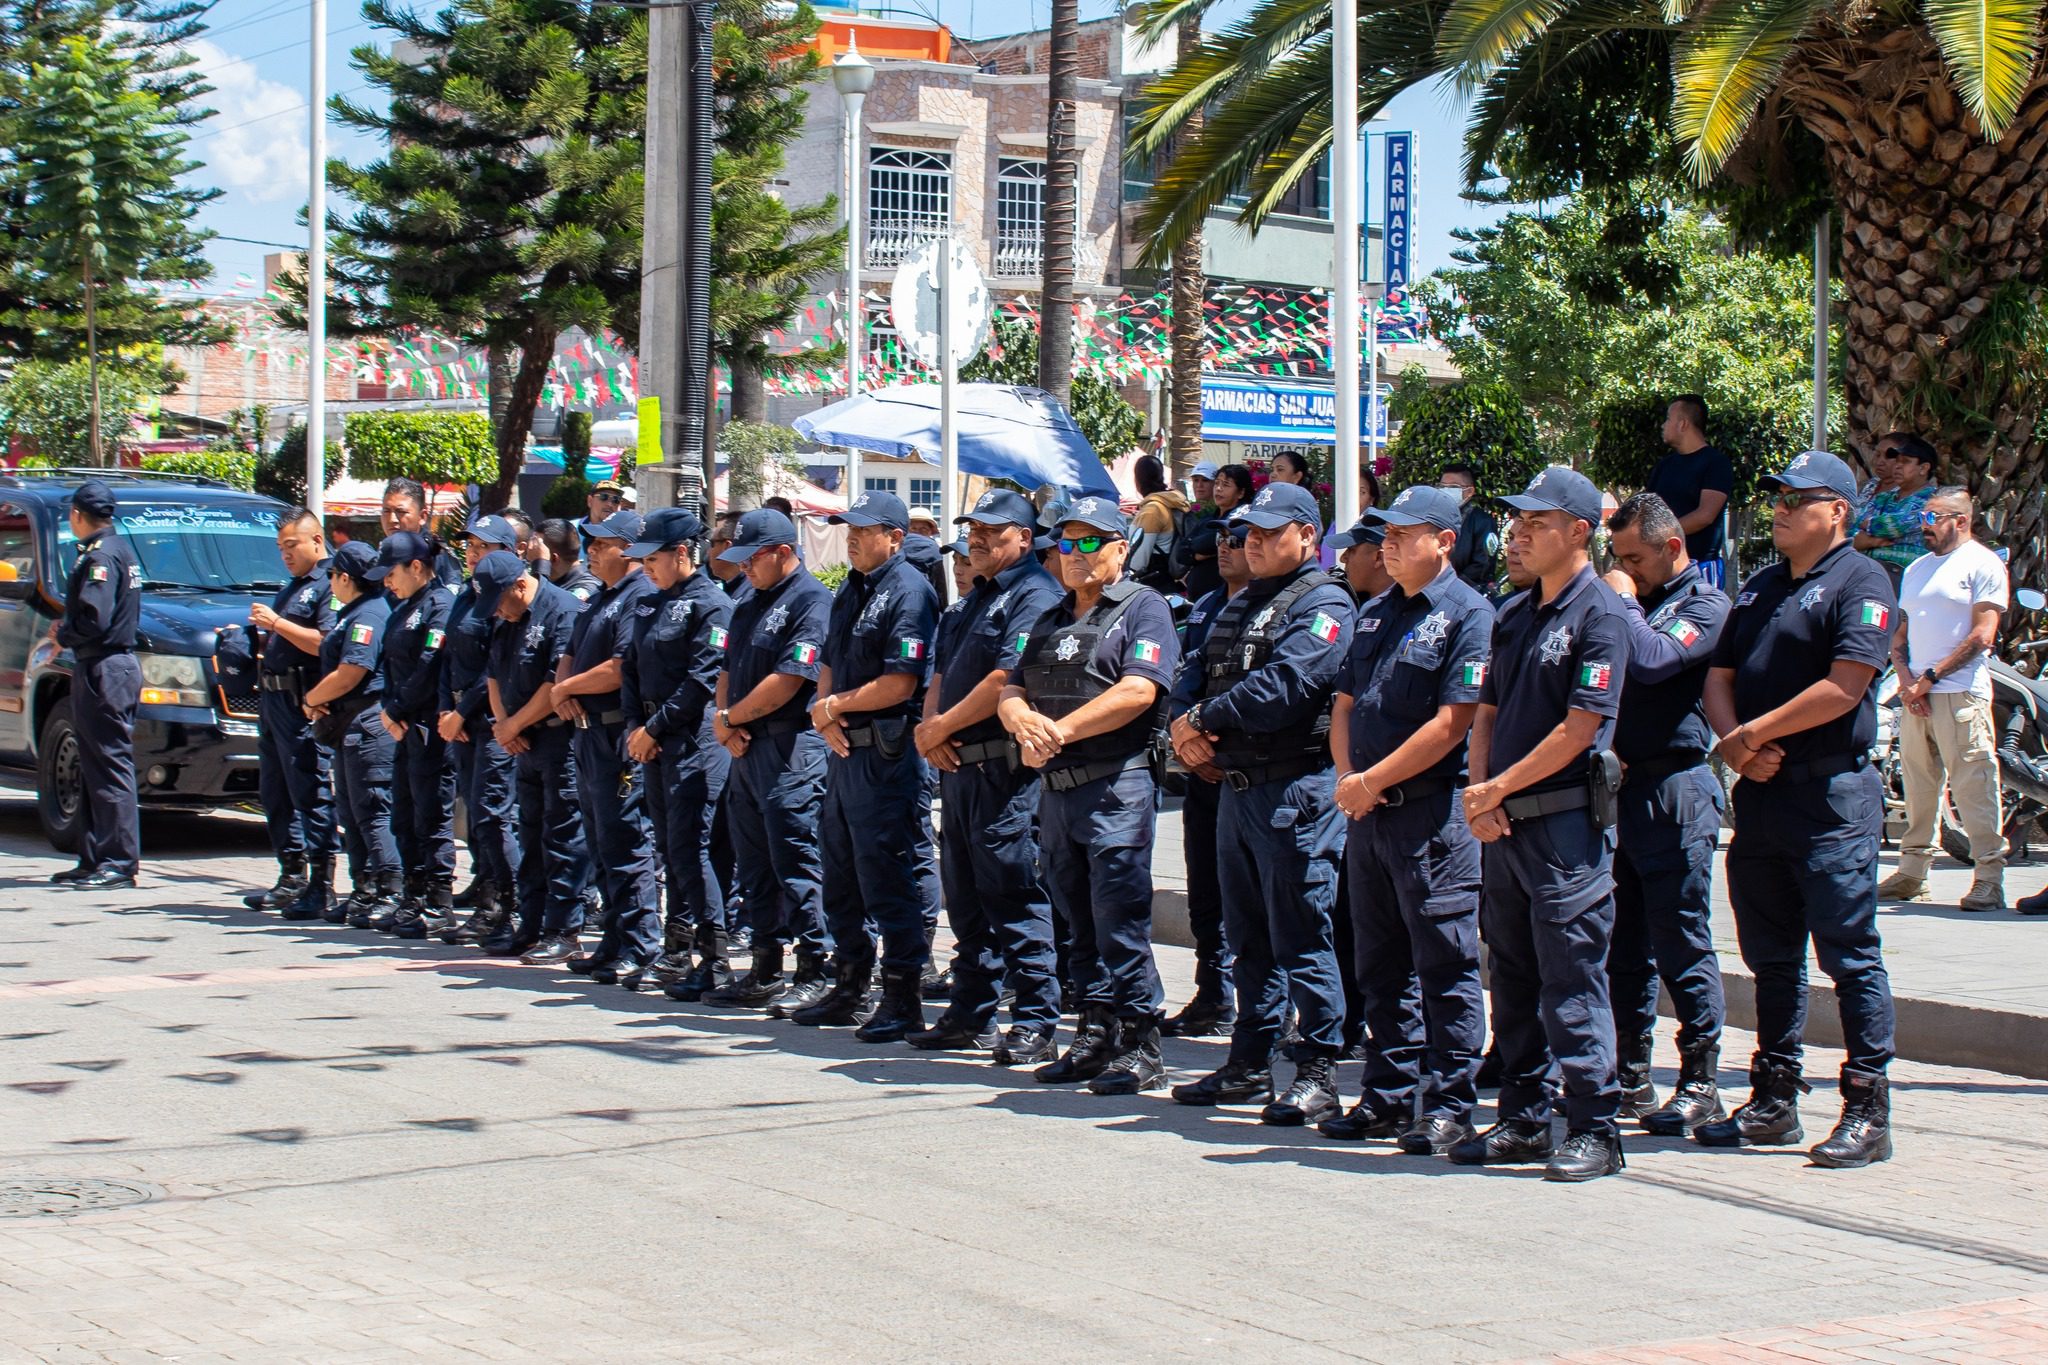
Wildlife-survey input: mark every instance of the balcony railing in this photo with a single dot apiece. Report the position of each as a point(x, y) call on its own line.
point(1020, 252)
point(892, 238)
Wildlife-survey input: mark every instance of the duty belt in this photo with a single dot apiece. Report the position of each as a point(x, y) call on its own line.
point(1547, 803)
point(1244, 779)
point(773, 727)
point(861, 738)
point(1660, 766)
point(1418, 789)
point(989, 751)
point(584, 721)
point(1067, 779)
point(280, 682)
point(1822, 767)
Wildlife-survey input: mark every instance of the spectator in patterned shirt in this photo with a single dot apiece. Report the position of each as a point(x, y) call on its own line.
point(1889, 531)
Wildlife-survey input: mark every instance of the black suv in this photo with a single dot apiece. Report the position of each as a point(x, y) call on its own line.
point(207, 551)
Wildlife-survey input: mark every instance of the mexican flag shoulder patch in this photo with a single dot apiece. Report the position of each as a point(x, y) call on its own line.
point(718, 637)
point(1325, 627)
point(1874, 613)
point(804, 653)
point(1683, 631)
point(434, 638)
point(1472, 673)
point(360, 634)
point(1145, 652)
point(910, 649)
point(1023, 639)
point(99, 573)
point(1598, 677)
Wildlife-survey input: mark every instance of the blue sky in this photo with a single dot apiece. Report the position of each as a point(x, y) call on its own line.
point(256, 53)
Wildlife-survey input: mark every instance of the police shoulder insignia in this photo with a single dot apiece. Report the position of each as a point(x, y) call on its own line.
point(1745, 599)
point(718, 637)
point(359, 633)
point(434, 638)
point(804, 652)
point(1325, 627)
point(99, 573)
point(1596, 676)
point(910, 649)
point(1555, 645)
point(580, 594)
point(1472, 672)
point(1145, 652)
point(1683, 631)
point(1874, 613)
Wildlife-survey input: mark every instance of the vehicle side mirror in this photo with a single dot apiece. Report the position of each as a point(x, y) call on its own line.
point(17, 589)
point(2030, 600)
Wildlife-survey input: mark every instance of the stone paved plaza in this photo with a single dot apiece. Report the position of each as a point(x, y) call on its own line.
point(362, 1150)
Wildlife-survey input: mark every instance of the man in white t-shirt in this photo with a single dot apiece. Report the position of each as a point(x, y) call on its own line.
point(1950, 600)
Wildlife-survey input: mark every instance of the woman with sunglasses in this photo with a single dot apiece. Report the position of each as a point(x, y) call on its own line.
point(1084, 704)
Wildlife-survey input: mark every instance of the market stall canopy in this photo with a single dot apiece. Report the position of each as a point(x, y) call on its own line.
point(805, 496)
point(1005, 432)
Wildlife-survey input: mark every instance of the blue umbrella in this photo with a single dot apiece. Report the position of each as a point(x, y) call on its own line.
point(1004, 431)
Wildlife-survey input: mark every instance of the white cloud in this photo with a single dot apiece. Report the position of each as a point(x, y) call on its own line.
point(255, 144)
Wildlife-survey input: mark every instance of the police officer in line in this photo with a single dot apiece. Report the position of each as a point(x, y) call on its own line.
point(102, 607)
point(1212, 1011)
point(561, 545)
point(1364, 567)
point(292, 769)
point(1668, 821)
point(422, 775)
point(483, 770)
point(344, 707)
point(1540, 797)
point(870, 692)
point(996, 902)
point(535, 622)
point(773, 657)
point(1085, 704)
point(608, 783)
point(1360, 557)
point(1406, 697)
point(1263, 717)
point(937, 983)
point(676, 647)
point(405, 509)
point(1791, 693)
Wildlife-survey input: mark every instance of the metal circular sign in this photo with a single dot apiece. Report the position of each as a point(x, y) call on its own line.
point(914, 302)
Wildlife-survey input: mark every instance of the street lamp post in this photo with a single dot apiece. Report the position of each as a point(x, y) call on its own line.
point(316, 265)
point(853, 76)
point(1346, 211)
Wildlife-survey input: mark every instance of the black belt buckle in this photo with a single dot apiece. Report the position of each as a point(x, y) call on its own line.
point(583, 720)
point(1239, 780)
point(1394, 796)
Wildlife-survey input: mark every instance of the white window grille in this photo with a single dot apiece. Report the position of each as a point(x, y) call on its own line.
point(1020, 217)
point(924, 493)
point(871, 484)
point(910, 201)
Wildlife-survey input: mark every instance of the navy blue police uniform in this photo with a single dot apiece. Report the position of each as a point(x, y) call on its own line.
point(293, 770)
point(1212, 1009)
point(580, 583)
point(1548, 907)
point(1413, 863)
point(996, 902)
point(678, 646)
point(609, 784)
point(881, 624)
point(1095, 807)
point(1668, 819)
point(1803, 861)
point(1268, 676)
point(422, 773)
point(777, 786)
point(363, 752)
point(483, 770)
point(924, 552)
point(102, 610)
point(554, 866)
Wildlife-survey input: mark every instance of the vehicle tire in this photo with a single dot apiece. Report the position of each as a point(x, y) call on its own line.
point(1956, 843)
point(60, 792)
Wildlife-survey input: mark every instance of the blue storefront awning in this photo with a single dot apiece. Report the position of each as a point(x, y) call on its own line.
point(1300, 414)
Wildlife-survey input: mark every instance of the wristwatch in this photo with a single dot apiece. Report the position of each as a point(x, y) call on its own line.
point(724, 716)
point(1930, 677)
point(1194, 715)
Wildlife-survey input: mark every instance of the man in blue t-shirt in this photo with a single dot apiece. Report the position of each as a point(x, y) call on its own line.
point(1695, 480)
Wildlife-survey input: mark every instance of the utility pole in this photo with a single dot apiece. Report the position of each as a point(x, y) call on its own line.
point(316, 266)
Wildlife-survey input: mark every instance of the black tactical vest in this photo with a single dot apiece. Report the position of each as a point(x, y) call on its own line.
point(1238, 646)
point(1060, 674)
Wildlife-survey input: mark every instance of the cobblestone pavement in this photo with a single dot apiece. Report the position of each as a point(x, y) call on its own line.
point(372, 1151)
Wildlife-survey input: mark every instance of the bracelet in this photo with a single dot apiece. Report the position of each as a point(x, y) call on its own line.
point(1736, 735)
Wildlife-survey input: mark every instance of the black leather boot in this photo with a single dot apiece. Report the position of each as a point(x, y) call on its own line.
point(811, 983)
point(948, 1034)
point(1632, 1070)
point(1210, 1013)
point(1311, 1099)
point(471, 897)
point(1770, 1114)
point(438, 915)
point(291, 880)
point(1362, 1121)
point(1586, 1156)
point(1697, 1099)
point(360, 897)
point(900, 1010)
point(384, 903)
point(1136, 1067)
point(509, 938)
point(316, 896)
point(1865, 1133)
point(1231, 1083)
point(711, 972)
point(1510, 1140)
point(484, 919)
point(844, 1003)
point(1024, 1046)
point(675, 962)
point(1096, 1036)
point(408, 905)
point(758, 986)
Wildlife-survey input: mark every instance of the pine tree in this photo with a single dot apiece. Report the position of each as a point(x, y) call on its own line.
point(108, 79)
point(508, 206)
point(765, 256)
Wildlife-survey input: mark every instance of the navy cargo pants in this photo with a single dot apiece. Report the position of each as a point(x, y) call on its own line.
point(1277, 846)
point(611, 799)
point(867, 831)
point(772, 811)
point(998, 908)
point(1663, 907)
point(554, 867)
point(1097, 845)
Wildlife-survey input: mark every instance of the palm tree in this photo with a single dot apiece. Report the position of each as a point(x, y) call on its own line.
point(1928, 120)
point(1187, 329)
point(1056, 296)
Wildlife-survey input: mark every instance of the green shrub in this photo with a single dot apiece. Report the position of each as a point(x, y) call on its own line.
point(282, 473)
point(225, 462)
point(576, 438)
point(431, 447)
point(567, 497)
point(1483, 425)
point(833, 575)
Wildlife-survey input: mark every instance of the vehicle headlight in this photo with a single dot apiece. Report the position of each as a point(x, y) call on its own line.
point(172, 680)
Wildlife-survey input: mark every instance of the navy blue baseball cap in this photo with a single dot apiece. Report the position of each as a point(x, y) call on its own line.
point(1819, 470)
point(1101, 513)
point(1233, 526)
point(624, 525)
point(1001, 507)
point(875, 509)
point(493, 531)
point(954, 547)
point(664, 530)
point(1364, 531)
point(94, 498)
point(758, 530)
point(1559, 488)
point(1422, 505)
point(354, 558)
point(400, 547)
point(494, 573)
point(1284, 504)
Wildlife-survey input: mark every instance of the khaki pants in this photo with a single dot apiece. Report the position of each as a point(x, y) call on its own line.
point(1953, 745)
